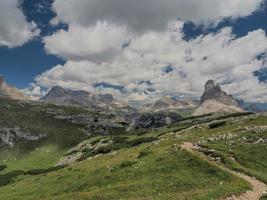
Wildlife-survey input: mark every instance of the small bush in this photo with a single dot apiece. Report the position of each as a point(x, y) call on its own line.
point(144, 153)
point(9, 178)
point(264, 197)
point(159, 159)
point(127, 163)
point(240, 114)
point(195, 117)
point(71, 153)
point(2, 167)
point(108, 148)
point(43, 171)
point(95, 141)
point(217, 124)
point(119, 139)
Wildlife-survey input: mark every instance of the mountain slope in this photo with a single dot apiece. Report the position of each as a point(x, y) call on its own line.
point(213, 106)
point(29, 129)
point(153, 170)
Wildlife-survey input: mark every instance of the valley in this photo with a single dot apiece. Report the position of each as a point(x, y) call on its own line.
point(97, 150)
point(129, 164)
point(133, 100)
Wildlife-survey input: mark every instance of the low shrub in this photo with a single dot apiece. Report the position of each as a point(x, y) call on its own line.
point(95, 141)
point(2, 167)
point(217, 124)
point(127, 163)
point(9, 178)
point(43, 171)
point(195, 117)
point(264, 197)
point(144, 153)
point(240, 114)
point(119, 139)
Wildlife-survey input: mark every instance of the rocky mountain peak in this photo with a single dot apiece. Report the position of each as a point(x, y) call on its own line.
point(61, 96)
point(213, 91)
point(210, 85)
point(215, 100)
point(56, 91)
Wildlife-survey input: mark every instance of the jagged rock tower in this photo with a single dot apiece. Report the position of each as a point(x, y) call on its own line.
point(214, 92)
point(215, 100)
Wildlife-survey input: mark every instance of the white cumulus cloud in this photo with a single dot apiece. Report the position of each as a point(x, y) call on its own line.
point(14, 28)
point(142, 15)
point(139, 66)
point(99, 43)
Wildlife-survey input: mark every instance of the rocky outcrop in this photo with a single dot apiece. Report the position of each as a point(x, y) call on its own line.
point(9, 91)
point(153, 120)
point(215, 100)
point(93, 123)
point(11, 136)
point(89, 147)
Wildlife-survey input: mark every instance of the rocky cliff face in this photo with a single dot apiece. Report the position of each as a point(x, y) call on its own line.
point(2, 80)
point(153, 120)
point(214, 100)
point(214, 92)
point(11, 136)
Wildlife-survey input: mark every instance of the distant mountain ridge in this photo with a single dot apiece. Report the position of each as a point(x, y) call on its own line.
point(214, 99)
point(60, 96)
point(67, 97)
point(172, 104)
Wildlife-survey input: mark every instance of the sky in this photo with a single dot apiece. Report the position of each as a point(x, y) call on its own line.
point(136, 50)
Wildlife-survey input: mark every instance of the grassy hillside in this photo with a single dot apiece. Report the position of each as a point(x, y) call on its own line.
point(33, 118)
point(141, 165)
point(149, 171)
point(241, 145)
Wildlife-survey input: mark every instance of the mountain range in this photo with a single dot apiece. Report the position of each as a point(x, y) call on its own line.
point(213, 99)
point(77, 145)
